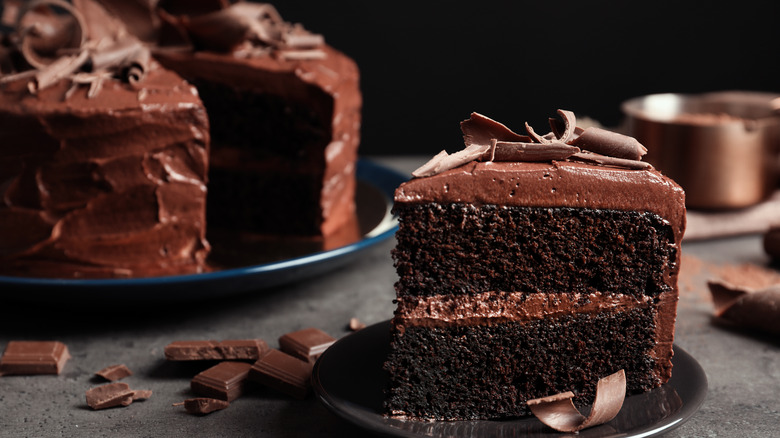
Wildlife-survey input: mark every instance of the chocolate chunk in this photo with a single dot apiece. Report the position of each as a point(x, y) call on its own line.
point(356, 324)
point(224, 381)
point(757, 309)
point(34, 357)
point(558, 411)
point(114, 372)
point(307, 344)
point(203, 405)
point(141, 394)
point(610, 143)
point(284, 373)
point(110, 395)
point(245, 349)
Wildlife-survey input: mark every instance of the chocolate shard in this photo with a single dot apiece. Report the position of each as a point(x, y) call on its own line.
point(558, 411)
point(34, 357)
point(479, 130)
point(235, 349)
point(114, 372)
point(443, 161)
point(756, 309)
point(109, 395)
point(609, 143)
point(48, 27)
point(224, 381)
point(204, 405)
point(605, 160)
point(284, 373)
point(536, 137)
point(518, 151)
point(306, 344)
point(141, 394)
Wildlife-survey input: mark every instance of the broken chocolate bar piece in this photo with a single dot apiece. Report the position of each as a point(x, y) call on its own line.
point(307, 344)
point(110, 395)
point(224, 381)
point(34, 357)
point(113, 373)
point(757, 309)
point(239, 349)
point(284, 373)
point(204, 405)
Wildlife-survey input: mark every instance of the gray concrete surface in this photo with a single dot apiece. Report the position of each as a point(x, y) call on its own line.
point(743, 369)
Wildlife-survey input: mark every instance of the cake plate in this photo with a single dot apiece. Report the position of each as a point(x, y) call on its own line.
point(348, 378)
point(376, 185)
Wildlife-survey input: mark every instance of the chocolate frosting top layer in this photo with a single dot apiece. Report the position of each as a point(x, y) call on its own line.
point(547, 171)
point(554, 184)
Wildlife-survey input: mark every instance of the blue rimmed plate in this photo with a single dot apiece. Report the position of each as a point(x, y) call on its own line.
point(376, 184)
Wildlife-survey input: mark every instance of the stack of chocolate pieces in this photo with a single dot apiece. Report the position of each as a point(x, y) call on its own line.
point(287, 369)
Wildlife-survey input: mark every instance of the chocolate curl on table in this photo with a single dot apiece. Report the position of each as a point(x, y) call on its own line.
point(558, 411)
point(757, 309)
point(610, 143)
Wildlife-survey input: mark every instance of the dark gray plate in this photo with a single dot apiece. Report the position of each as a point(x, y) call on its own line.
point(241, 271)
point(349, 380)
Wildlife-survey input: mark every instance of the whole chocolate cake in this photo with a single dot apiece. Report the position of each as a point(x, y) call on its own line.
point(284, 109)
point(103, 153)
point(530, 266)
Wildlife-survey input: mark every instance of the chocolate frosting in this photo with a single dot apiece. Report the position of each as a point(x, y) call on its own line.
point(94, 186)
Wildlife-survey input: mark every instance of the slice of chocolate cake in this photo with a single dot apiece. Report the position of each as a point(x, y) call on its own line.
point(284, 109)
point(103, 153)
point(530, 266)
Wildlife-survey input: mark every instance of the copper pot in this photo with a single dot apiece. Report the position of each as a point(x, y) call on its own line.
point(721, 147)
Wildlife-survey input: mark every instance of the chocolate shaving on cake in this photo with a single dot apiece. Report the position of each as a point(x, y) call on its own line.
point(757, 309)
point(566, 141)
point(79, 42)
point(258, 25)
point(610, 143)
point(590, 157)
point(558, 411)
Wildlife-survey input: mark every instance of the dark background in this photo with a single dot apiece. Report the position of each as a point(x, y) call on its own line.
point(426, 65)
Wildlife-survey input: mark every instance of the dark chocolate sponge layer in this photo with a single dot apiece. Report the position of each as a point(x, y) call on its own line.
point(466, 249)
point(264, 188)
point(474, 372)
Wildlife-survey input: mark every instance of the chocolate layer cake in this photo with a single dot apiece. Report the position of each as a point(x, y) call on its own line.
point(284, 109)
point(529, 266)
point(103, 153)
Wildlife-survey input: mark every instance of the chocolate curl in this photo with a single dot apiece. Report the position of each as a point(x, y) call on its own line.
point(298, 38)
point(44, 34)
point(609, 143)
point(559, 412)
point(566, 132)
point(479, 130)
point(130, 57)
point(530, 152)
point(444, 161)
point(746, 307)
point(604, 160)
